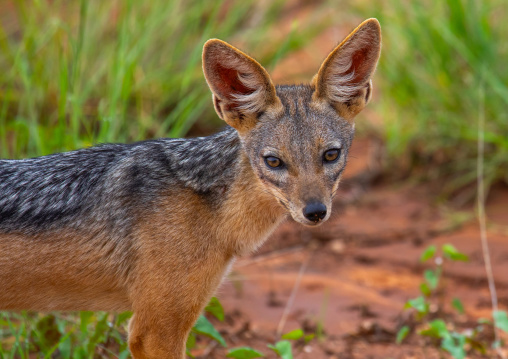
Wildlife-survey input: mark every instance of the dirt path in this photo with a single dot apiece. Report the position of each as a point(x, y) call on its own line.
point(360, 268)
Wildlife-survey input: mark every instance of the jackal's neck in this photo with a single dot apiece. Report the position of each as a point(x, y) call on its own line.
point(205, 164)
point(217, 169)
point(249, 213)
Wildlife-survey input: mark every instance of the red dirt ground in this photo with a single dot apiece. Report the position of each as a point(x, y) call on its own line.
point(360, 268)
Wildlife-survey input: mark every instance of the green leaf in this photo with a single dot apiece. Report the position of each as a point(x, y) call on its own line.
point(425, 290)
point(457, 304)
point(484, 321)
point(501, 320)
point(293, 335)
point(440, 327)
point(432, 278)
point(419, 304)
point(191, 341)
point(437, 329)
point(282, 349)
point(204, 327)
point(65, 347)
point(189, 354)
point(123, 317)
point(85, 319)
point(402, 334)
point(454, 344)
point(309, 337)
point(244, 353)
point(428, 253)
point(451, 252)
point(101, 331)
point(214, 307)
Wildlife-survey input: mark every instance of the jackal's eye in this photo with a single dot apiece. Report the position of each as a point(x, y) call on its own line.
point(331, 155)
point(273, 162)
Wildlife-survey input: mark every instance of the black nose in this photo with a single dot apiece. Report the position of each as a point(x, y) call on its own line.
point(315, 211)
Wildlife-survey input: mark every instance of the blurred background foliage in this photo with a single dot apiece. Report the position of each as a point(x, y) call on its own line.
point(77, 73)
point(443, 65)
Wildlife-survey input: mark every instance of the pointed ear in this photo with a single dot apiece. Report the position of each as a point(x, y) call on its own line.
point(344, 79)
point(241, 87)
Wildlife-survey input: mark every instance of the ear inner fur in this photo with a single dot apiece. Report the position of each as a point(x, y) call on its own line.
point(241, 86)
point(344, 76)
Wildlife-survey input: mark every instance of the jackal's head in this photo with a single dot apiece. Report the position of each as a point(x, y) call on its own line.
point(296, 137)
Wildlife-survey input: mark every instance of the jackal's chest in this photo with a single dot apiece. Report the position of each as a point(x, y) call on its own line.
point(251, 234)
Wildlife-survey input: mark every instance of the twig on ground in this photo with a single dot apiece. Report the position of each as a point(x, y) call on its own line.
point(481, 212)
point(291, 299)
point(270, 255)
point(209, 349)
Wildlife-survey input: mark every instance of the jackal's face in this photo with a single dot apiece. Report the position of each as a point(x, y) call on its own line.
point(296, 137)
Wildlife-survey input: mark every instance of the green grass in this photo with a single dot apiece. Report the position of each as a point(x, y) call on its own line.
point(77, 73)
point(57, 335)
point(442, 63)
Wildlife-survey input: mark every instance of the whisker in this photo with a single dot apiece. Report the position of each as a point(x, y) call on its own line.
point(283, 201)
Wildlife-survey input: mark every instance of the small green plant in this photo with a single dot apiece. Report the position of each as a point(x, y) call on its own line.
point(88, 334)
point(83, 334)
point(205, 328)
point(450, 339)
point(244, 353)
point(282, 348)
point(63, 336)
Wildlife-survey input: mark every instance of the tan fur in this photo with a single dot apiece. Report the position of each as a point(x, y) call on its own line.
point(87, 275)
point(165, 286)
point(164, 291)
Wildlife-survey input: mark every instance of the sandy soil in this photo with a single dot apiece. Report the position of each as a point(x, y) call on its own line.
point(352, 276)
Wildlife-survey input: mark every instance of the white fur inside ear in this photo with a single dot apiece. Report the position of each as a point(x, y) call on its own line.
point(252, 102)
point(340, 75)
point(345, 74)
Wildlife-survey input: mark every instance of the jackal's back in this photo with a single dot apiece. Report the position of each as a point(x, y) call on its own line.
point(108, 185)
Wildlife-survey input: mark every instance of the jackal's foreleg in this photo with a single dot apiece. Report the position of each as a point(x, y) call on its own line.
point(167, 299)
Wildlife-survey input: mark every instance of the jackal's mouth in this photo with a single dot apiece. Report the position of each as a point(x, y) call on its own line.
point(313, 223)
point(309, 222)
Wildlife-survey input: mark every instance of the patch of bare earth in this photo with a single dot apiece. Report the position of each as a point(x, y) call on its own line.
point(349, 278)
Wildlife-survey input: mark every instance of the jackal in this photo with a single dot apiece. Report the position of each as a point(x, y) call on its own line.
point(153, 226)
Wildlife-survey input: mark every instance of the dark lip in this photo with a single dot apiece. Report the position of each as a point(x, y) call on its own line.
point(312, 224)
